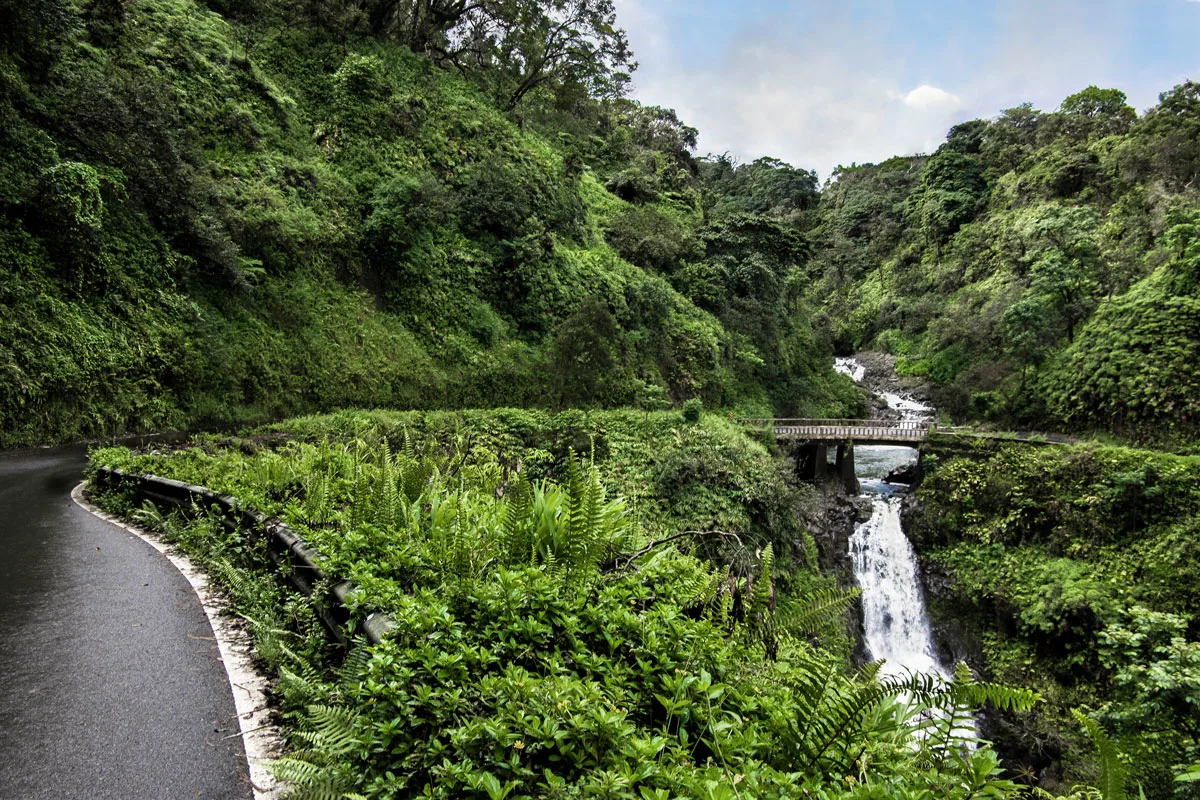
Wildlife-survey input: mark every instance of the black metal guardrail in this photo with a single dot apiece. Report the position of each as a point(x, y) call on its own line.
point(300, 564)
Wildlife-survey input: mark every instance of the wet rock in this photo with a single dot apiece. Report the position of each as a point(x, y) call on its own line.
point(881, 410)
point(832, 521)
point(905, 474)
point(880, 376)
point(832, 526)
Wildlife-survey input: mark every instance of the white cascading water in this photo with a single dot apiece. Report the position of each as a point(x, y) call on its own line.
point(848, 366)
point(895, 623)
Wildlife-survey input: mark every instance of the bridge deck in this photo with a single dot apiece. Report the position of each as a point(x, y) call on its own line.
point(865, 431)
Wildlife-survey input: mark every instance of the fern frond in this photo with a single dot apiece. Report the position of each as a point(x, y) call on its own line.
point(149, 517)
point(334, 729)
point(1007, 698)
point(810, 614)
point(296, 771)
point(1112, 771)
point(355, 663)
point(762, 591)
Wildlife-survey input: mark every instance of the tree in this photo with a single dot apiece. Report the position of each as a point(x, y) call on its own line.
point(651, 239)
point(1096, 112)
point(1011, 138)
point(514, 46)
point(423, 25)
point(1066, 262)
point(1169, 138)
point(1026, 332)
point(951, 191)
point(34, 32)
point(966, 137)
point(564, 42)
point(1068, 286)
point(1183, 238)
point(661, 129)
point(655, 148)
point(765, 186)
point(585, 353)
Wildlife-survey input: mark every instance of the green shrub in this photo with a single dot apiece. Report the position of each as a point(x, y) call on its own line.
point(542, 644)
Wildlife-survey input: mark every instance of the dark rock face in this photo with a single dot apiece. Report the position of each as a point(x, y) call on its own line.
point(957, 630)
point(905, 473)
point(880, 376)
point(832, 523)
point(955, 634)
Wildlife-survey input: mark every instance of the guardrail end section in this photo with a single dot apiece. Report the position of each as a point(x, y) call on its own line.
point(376, 627)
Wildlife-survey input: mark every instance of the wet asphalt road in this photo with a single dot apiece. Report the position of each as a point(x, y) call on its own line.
point(111, 684)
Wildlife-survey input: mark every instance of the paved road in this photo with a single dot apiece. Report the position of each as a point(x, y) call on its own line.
point(110, 682)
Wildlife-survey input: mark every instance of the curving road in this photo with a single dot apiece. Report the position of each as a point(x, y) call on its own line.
point(111, 685)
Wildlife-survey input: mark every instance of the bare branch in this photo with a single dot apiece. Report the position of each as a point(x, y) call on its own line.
point(677, 536)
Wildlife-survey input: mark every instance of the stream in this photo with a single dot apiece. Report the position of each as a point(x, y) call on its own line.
point(895, 623)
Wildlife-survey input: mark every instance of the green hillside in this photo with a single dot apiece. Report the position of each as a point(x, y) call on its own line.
point(232, 212)
point(1040, 269)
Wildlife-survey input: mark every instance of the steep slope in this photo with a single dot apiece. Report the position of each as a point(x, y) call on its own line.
point(209, 218)
point(982, 264)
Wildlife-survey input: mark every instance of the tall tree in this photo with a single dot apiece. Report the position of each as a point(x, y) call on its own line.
point(1066, 262)
point(950, 194)
point(1096, 112)
point(563, 42)
point(517, 46)
point(1169, 136)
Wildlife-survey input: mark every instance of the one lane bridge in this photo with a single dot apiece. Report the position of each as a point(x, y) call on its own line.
point(810, 440)
point(837, 431)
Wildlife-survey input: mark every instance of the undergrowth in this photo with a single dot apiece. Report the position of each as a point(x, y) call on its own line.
point(546, 645)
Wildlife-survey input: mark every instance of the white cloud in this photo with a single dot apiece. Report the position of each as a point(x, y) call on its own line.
point(820, 86)
point(926, 97)
point(817, 102)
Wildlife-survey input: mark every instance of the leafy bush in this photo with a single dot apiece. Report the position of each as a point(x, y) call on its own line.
point(1071, 569)
point(543, 646)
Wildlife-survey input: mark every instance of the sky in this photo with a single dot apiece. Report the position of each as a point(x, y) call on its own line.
point(820, 83)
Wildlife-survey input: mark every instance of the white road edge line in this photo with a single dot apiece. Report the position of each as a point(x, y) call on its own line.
point(261, 738)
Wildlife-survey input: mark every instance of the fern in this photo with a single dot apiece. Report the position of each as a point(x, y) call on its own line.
point(355, 663)
point(810, 614)
point(315, 773)
point(308, 781)
point(762, 591)
point(1112, 771)
point(333, 729)
point(149, 517)
point(514, 522)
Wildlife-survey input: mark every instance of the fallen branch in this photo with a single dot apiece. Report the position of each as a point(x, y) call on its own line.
point(669, 539)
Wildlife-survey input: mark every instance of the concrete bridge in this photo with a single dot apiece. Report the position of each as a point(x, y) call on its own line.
point(810, 440)
point(858, 431)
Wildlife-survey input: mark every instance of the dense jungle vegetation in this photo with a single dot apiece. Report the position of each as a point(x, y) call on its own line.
point(1041, 268)
point(239, 210)
point(236, 211)
point(1074, 571)
point(226, 212)
point(550, 641)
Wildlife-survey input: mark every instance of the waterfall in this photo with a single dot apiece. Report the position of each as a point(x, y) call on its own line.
point(895, 623)
point(848, 366)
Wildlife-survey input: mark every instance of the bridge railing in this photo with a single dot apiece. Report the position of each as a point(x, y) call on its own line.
point(851, 428)
point(897, 424)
